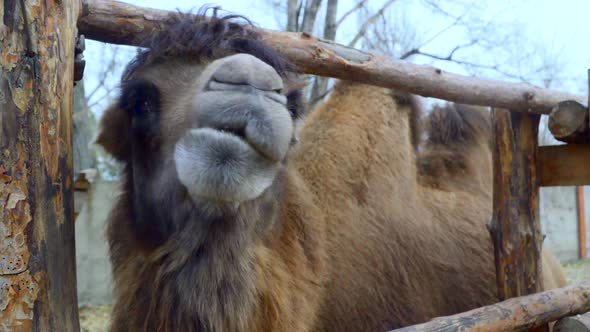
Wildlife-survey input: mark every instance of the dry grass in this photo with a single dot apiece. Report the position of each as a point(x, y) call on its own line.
point(577, 271)
point(94, 318)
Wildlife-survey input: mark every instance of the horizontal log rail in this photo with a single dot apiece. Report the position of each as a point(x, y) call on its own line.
point(120, 23)
point(564, 165)
point(515, 314)
point(569, 122)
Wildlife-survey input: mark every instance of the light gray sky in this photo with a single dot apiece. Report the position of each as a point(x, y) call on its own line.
point(558, 28)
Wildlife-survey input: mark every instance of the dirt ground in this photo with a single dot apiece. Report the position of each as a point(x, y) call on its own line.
point(96, 318)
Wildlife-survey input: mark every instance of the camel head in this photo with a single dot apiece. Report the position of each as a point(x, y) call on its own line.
point(204, 120)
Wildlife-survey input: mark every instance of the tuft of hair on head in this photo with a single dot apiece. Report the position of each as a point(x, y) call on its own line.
point(206, 36)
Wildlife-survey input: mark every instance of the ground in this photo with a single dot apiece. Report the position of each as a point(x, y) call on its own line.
point(95, 318)
point(577, 271)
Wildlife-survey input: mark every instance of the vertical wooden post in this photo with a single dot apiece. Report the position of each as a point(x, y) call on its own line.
point(581, 208)
point(37, 259)
point(515, 227)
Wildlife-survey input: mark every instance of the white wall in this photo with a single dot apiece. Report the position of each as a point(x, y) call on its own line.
point(559, 221)
point(93, 267)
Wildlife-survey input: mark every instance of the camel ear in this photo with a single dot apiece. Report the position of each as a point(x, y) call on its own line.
point(113, 133)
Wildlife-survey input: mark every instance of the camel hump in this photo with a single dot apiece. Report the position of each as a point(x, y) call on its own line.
point(458, 126)
point(456, 153)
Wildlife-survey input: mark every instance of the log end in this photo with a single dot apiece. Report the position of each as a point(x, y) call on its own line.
point(568, 118)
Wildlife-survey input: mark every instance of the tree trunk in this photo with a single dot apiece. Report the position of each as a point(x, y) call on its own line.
point(515, 227)
point(292, 17)
point(37, 259)
point(320, 84)
point(309, 15)
point(118, 23)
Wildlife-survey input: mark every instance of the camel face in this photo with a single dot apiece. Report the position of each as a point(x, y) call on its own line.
point(226, 127)
point(239, 133)
point(203, 125)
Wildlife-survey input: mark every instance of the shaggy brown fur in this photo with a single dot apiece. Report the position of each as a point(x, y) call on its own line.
point(349, 237)
point(456, 154)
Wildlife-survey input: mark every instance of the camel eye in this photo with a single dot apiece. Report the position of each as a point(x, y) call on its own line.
point(140, 97)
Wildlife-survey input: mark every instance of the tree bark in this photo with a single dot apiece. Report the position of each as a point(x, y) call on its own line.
point(119, 23)
point(37, 259)
point(568, 122)
point(564, 165)
point(518, 314)
point(515, 227)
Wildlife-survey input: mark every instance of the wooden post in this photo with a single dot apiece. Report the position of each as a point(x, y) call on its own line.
point(581, 208)
point(515, 227)
point(37, 259)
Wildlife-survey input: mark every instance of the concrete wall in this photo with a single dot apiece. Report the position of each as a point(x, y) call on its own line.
point(559, 221)
point(93, 267)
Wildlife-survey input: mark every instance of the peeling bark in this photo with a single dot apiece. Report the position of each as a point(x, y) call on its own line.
point(37, 261)
point(515, 227)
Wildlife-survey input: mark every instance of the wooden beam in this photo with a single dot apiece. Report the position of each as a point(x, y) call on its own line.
point(517, 314)
point(37, 259)
point(564, 165)
point(515, 227)
point(568, 122)
point(121, 23)
point(578, 323)
point(581, 208)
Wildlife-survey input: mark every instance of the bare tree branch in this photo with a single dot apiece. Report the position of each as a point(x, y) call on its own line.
point(106, 70)
point(438, 34)
point(330, 22)
point(297, 15)
point(321, 83)
point(358, 6)
point(292, 15)
point(463, 62)
point(310, 15)
point(369, 22)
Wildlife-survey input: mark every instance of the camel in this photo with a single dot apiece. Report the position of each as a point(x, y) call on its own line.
point(233, 219)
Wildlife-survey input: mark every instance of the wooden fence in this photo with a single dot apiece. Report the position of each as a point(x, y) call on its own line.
point(37, 267)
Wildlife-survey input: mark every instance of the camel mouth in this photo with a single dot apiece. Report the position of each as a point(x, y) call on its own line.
point(220, 165)
point(235, 135)
point(238, 132)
